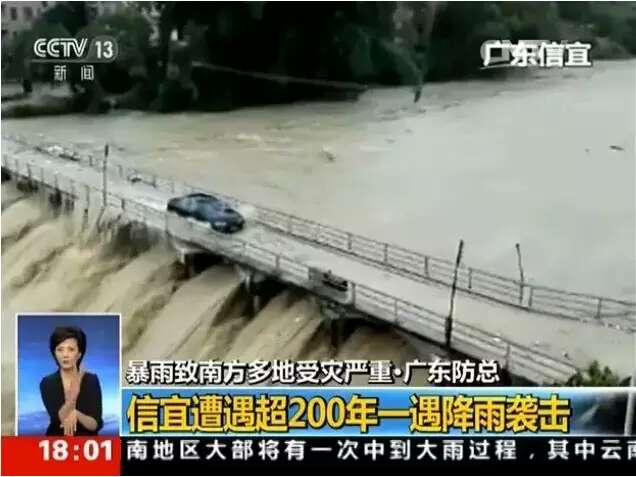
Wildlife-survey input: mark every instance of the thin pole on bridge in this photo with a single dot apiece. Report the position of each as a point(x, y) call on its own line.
point(521, 274)
point(449, 318)
point(104, 166)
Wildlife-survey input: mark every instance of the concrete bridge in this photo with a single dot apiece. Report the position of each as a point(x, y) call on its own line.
point(538, 333)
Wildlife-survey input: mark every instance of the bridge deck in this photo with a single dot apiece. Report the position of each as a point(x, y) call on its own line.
point(568, 340)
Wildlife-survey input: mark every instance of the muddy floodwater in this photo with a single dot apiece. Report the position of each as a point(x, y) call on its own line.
point(59, 262)
point(546, 160)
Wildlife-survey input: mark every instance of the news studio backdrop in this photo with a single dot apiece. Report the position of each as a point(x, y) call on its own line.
point(480, 403)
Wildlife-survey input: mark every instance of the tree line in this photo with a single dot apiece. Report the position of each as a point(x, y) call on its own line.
point(223, 55)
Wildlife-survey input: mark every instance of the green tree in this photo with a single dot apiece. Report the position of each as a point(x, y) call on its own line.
point(71, 15)
point(20, 52)
point(575, 11)
point(131, 74)
point(595, 376)
point(460, 29)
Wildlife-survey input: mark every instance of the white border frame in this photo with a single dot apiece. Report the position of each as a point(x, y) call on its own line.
point(59, 313)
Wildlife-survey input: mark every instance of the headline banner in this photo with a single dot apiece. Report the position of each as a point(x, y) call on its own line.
point(394, 411)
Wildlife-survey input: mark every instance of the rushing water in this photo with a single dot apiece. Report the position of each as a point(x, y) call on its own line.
point(53, 263)
point(546, 160)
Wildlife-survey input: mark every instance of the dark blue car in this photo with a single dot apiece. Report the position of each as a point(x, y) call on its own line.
point(210, 209)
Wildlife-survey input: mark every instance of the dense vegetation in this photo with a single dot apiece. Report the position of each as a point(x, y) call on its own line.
point(199, 54)
point(595, 376)
point(461, 27)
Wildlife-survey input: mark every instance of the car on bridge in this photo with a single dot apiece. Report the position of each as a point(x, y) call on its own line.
point(210, 209)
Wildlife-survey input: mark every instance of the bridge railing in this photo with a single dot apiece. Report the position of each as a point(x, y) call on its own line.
point(419, 320)
point(418, 266)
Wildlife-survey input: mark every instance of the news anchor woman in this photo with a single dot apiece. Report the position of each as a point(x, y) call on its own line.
point(72, 397)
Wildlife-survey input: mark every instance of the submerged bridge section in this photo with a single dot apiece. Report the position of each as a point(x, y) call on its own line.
point(416, 266)
point(284, 248)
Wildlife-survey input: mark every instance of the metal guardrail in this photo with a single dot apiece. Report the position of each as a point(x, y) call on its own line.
point(537, 298)
point(520, 360)
point(418, 266)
